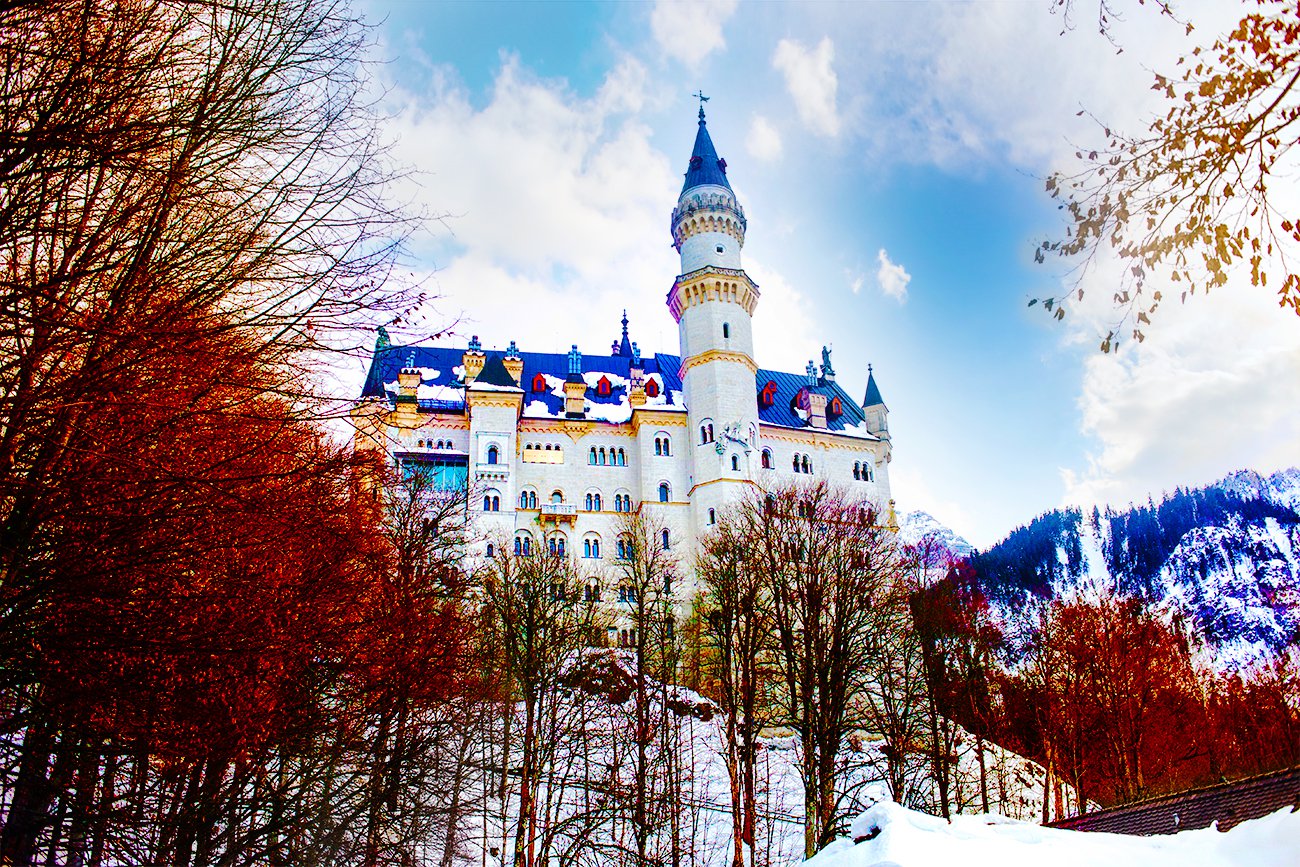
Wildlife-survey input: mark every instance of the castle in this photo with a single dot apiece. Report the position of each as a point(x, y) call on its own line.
point(553, 448)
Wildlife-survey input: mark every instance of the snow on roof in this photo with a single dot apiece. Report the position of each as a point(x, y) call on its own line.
point(899, 837)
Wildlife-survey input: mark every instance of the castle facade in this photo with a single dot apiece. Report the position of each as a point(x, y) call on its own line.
point(553, 448)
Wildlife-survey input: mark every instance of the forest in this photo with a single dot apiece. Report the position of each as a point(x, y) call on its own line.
point(227, 640)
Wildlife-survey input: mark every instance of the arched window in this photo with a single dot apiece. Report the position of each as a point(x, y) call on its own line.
point(420, 444)
point(651, 388)
point(523, 545)
point(601, 456)
point(603, 387)
point(767, 459)
point(796, 462)
point(600, 507)
point(726, 330)
point(807, 464)
point(493, 454)
point(659, 446)
point(857, 472)
point(557, 497)
point(491, 551)
point(591, 456)
point(555, 545)
point(622, 457)
point(735, 463)
point(491, 502)
point(836, 408)
point(663, 537)
point(586, 548)
point(539, 383)
point(668, 445)
point(587, 503)
point(591, 547)
point(713, 517)
point(664, 491)
point(768, 395)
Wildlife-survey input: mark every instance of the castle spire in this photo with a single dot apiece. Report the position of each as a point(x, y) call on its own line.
point(706, 168)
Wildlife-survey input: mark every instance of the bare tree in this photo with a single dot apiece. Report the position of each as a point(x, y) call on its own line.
point(831, 566)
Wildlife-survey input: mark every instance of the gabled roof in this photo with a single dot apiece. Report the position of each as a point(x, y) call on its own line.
point(788, 385)
point(442, 386)
point(1224, 803)
point(705, 167)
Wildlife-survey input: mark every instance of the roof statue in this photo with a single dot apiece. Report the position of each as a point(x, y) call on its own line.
point(827, 370)
point(382, 340)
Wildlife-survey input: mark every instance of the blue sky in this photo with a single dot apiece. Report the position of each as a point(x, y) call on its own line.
point(890, 160)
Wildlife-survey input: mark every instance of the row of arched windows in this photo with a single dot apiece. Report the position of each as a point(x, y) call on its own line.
point(492, 502)
point(593, 503)
point(622, 502)
point(528, 500)
point(663, 445)
point(440, 445)
point(864, 471)
point(556, 545)
point(802, 463)
point(541, 447)
point(599, 457)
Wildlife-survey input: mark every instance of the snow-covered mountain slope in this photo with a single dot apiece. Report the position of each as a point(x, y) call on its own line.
point(915, 526)
point(1224, 559)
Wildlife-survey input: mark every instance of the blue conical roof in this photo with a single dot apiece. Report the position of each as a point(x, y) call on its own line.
point(705, 167)
point(872, 397)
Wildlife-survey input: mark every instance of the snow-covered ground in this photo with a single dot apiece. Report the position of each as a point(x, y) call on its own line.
point(902, 838)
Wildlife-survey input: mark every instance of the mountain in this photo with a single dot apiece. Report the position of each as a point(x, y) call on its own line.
point(916, 526)
point(1224, 559)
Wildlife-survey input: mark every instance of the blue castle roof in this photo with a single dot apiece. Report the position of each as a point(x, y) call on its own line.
point(439, 366)
point(705, 167)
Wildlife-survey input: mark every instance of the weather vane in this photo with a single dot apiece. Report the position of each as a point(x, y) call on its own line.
point(699, 94)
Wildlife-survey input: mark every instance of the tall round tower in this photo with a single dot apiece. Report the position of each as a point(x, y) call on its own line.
point(713, 301)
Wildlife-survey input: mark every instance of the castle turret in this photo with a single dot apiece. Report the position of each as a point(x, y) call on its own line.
point(713, 301)
point(873, 406)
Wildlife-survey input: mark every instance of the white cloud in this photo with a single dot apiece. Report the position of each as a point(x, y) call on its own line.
point(763, 142)
point(811, 82)
point(690, 31)
point(1213, 389)
point(912, 491)
point(856, 281)
point(892, 277)
point(785, 334)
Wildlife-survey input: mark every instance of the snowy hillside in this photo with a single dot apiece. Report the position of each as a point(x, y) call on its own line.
point(1224, 559)
point(915, 526)
point(894, 836)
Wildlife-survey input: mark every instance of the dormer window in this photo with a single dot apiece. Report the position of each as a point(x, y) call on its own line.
point(836, 408)
point(539, 383)
point(651, 388)
point(768, 396)
point(722, 164)
point(697, 161)
point(603, 387)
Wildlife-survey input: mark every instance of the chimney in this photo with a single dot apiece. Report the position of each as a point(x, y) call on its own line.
point(575, 387)
point(513, 363)
point(473, 360)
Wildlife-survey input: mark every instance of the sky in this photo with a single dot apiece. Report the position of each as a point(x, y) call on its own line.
point(891, 159)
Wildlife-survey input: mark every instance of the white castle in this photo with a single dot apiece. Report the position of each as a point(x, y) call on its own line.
point(554, 448)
